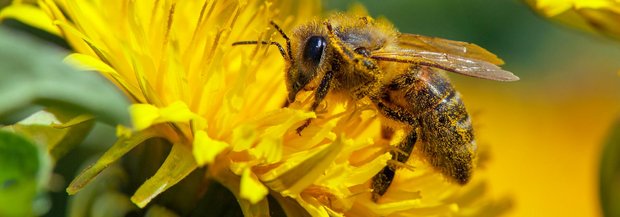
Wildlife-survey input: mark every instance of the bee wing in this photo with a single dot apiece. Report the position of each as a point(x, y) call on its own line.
point(454, 56)
point(440, 45)
point(448, 62)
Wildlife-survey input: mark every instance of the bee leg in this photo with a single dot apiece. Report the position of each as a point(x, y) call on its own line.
point(319, 96)
point(387, 133)
point(382, 181)
point(405, 147)
point(397, 164)
point(303, 126)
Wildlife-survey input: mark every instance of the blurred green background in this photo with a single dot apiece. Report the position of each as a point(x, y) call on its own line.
point(544, 132)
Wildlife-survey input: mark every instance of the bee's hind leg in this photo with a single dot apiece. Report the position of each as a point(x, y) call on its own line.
point(382, 181)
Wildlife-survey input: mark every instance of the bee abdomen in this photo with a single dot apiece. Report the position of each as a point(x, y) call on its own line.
point(449, 141)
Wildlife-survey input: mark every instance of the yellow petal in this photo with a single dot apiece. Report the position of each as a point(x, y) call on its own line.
point(123, 131)
point(598, 4)
point(82, 43)
point(205, 149)
point(176, 112)
point(120, 148)
point(269, 148)
point(243, 137)
point(367, 171)
point(146, 115)
point(252, 189)
point(292, 177)
point(553, 7)
point(273, 126)
point(86, 62)
point(176, 167)
point(143, 115)
point(343, 175)
point(30, 15)
point(313, 207)
point(594, 16)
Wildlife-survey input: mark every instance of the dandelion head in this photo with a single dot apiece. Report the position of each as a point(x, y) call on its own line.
point(220, 107)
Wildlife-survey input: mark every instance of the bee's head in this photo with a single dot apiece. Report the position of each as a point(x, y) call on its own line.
point(304, 58)
point(308, 58)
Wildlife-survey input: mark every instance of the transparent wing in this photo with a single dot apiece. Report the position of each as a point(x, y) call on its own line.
point(452, 63)
point(440, 45)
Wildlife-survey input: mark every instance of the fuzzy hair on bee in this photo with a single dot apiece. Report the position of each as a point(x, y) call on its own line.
point(402, 76)
point(316, 53)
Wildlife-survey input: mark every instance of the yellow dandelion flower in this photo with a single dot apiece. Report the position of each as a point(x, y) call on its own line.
point(221, 109)
point(598, 16)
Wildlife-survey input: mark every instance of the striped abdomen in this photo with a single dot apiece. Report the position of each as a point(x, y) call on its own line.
point(427, 97)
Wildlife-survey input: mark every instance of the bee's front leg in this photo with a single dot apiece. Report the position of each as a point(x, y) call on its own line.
point(319, 95)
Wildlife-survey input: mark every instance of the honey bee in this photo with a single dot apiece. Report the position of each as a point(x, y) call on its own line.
point(402, 75)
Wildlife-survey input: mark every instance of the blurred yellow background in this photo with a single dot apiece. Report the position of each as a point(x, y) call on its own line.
point(544, 132)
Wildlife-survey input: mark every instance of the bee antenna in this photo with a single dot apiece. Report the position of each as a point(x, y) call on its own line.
point(288, 41)
point(280, 48)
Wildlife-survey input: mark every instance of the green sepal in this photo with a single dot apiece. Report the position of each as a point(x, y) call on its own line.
point(24, 172)
point(58, 139)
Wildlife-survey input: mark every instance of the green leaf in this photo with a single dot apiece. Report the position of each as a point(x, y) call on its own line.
point(24, 170)
point(58, 139)
point(33, 73)
point(18, 115)
point(610, 174)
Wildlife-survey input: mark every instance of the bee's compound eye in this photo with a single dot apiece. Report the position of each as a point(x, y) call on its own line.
point(314, 49)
